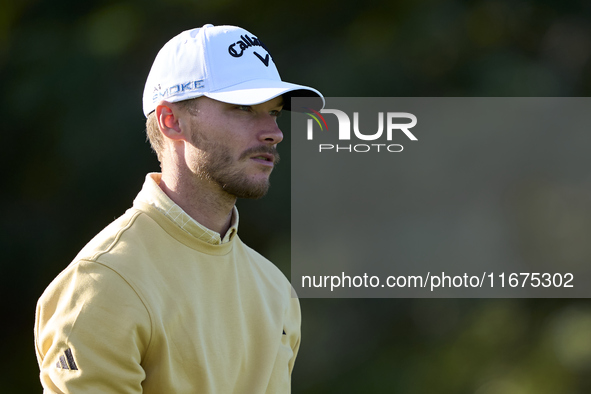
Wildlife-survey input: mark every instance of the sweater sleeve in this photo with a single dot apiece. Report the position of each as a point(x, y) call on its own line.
point(92, 331)
point(295, 318)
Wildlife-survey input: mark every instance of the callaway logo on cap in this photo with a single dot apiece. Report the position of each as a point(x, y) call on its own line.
point(225, 63)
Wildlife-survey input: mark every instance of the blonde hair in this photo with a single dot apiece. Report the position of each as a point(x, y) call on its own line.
point(154, 135)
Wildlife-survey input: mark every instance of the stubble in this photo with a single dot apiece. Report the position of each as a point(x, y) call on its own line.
point(215, 163)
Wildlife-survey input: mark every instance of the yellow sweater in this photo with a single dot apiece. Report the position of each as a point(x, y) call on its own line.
point(146, 307)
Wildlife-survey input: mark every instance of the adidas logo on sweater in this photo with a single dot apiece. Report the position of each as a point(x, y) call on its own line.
point(66, 361)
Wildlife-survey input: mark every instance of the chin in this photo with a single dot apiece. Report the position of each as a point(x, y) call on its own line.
point(251, 193)
point(247, 188)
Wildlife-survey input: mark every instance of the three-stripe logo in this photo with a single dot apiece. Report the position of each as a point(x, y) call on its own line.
point(66, 361)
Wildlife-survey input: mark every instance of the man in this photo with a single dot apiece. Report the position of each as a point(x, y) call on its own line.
point(167, 299)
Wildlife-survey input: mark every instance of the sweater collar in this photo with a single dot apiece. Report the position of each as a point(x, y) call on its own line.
point(153, 195)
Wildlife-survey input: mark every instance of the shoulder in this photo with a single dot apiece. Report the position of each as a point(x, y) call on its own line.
point(88, 277)
point(264, 266)
point(129, 228)
point(88, 291)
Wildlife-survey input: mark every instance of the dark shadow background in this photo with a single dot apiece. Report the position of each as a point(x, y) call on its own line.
point(74, 153)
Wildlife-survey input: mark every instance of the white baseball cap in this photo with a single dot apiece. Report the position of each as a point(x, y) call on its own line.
point(225, 63)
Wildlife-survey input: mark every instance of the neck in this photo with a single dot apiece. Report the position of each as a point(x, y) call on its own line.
point(203, 201)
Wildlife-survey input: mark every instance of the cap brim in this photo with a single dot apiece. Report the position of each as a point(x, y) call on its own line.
point(258, 91)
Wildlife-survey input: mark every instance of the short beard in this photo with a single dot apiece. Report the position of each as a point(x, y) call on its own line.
point(216, 162)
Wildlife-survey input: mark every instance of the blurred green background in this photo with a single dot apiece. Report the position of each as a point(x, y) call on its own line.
point(72, 75)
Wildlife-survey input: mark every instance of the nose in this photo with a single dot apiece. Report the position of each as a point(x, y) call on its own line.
point(271, 134)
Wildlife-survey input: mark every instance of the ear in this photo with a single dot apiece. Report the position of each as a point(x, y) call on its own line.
point(168, 116)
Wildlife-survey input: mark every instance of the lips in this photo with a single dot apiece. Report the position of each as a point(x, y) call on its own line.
point(266, 157)
point(263, 154)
